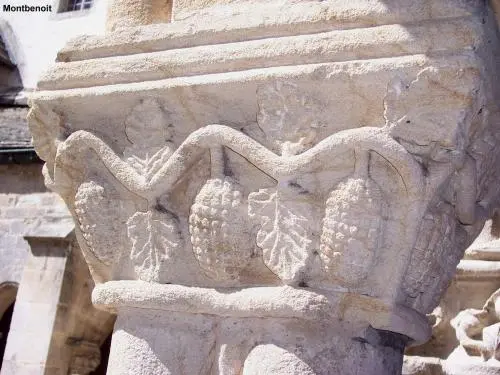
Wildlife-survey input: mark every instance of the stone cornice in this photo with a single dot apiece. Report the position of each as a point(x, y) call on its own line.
point(434, 38)
point(252, 22)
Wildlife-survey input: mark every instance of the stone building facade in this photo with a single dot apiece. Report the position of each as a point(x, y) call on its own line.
point(268, 187)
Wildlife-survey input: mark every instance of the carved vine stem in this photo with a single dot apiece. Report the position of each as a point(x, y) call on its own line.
point(361, 163)
point(278, 167)
point(217, 162)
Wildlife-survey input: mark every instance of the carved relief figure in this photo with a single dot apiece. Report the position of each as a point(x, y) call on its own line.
point(286, 215)
point(485, 324)
point(152, 231)
point(328, 164)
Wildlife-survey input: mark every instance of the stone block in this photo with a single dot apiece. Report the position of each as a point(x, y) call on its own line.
point(8, 199)
point(29, 200)
point(21, 212)
point(11, 367)
point(50, 279)
point(16, 348)
point(34, 317)
point(16, 226)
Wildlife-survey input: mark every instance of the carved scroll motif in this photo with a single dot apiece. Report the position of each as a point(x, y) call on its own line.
point(151, 235)
point(286, 215)
point(285, 249)
point(453, 206)
point(154, 235)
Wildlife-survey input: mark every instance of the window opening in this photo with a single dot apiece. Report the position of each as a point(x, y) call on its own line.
point(76, 5)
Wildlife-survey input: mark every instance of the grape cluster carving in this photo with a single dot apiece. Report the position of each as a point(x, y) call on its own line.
point(95, 203)
point(352, 230)
point(217, 226)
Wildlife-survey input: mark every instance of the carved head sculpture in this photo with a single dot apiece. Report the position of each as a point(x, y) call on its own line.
point(288, 117)
point(150, 113)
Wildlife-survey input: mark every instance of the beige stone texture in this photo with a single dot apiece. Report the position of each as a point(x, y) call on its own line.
point(465, 331)
point(127, 13)
point(193, 6)
point(275, 187)
point(25, 204)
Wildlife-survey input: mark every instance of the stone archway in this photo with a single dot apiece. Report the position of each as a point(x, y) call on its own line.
point(8, 292)
point(104, 349)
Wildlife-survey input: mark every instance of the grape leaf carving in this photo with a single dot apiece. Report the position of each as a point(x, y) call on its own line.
point(286, 232)
point(146, 162)
point(150, 137)
point(155, 238)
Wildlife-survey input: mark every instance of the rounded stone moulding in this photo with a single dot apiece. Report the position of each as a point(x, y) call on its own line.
point(174, 329)
point(281, 302)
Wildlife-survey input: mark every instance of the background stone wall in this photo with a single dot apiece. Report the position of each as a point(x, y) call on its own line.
point(25, 204)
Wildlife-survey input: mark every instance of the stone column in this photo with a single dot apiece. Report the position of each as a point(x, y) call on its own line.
point(35, 311)
point(53, 309)
point(276, 187)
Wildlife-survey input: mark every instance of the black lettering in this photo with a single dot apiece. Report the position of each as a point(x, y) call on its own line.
point(27, 8)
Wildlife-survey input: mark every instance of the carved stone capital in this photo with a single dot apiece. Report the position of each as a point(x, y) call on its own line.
point(265, 188)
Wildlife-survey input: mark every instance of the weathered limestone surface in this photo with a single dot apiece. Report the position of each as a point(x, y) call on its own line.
point(27, 209)
point(465, 330)
point(42, 293)
point(279, 187)
point(127, 13)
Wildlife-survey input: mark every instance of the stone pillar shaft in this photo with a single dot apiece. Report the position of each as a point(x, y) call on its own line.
point(229, 331)
point(35, 311)
point(202, 344)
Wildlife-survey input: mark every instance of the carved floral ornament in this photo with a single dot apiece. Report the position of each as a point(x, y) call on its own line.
point(230, 230)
